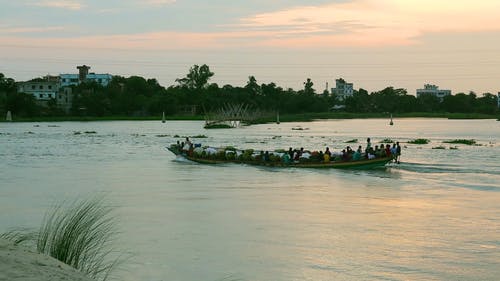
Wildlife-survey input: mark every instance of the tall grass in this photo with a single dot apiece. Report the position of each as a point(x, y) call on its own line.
point(79, 234)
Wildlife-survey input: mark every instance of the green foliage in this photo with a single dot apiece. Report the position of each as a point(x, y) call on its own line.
point(419, 141)
point(139, 98)
point(461, 141)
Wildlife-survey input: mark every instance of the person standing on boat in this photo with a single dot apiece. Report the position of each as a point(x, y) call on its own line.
point(398, 152)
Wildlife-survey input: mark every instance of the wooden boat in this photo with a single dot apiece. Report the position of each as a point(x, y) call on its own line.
point(359, 164)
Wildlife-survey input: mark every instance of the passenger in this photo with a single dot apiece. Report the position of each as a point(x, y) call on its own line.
point(290, 153)
point(345, 156)
point(398, 152)
point(376, 151)
point(321, 156)
point(286, 158)
point(394, 150)
point(188, 141)
point(357, 154)
point(327, 151)
point(388, 150)
point(326, 157)
point(368, 144)
point(296, 155)
point(266, 156)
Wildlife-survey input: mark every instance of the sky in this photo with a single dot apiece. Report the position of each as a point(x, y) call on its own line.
point(374, 44)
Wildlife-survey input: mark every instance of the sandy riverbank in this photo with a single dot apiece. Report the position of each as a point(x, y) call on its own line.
point(20, 263)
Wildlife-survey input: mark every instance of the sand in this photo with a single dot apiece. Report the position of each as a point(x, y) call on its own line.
point(20, 263)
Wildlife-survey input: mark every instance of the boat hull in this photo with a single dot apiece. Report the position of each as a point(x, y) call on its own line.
point(360, 164)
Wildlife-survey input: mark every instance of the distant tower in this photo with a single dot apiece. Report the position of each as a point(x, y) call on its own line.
point(83, 70)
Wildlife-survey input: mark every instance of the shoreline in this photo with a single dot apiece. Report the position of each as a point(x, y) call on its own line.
point(305, 117)
point(21, 263)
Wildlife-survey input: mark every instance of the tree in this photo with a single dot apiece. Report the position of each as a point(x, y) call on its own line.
point(197, 78)
point(252, 87)
point(308, 87)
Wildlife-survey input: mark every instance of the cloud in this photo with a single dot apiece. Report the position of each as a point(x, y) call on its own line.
point(60, 4)
point(358, 23)
point(158, 2)
point(31, 29)
point(372, 22)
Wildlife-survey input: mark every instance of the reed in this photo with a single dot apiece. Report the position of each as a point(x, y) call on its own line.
point(79, 234)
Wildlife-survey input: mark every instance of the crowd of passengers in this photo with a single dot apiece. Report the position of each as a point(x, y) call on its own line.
point(301, 155)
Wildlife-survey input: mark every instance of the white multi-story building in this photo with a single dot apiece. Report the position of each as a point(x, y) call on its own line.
point(42, 90)
point(84, 76)
point(433, 90)
point(342, 89)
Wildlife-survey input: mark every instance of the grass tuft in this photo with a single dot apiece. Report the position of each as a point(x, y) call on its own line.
point(79, 234)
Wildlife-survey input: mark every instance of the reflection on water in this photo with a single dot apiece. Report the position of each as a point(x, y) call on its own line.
point(435, 216)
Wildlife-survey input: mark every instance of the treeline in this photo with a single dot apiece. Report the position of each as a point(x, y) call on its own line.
point(193, 94)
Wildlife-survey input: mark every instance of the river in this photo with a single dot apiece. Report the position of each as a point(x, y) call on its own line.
point(435, 216)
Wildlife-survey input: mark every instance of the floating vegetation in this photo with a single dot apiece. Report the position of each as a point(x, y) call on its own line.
point(276, 137)
point(299, 129)
point(176, 136)
point(199, 137)
point(462, 141)
point(439, 147)
point(53, 126)
point(29, 132)
point(217, 126)
point(453, 147)
point(36, 125)
point(77, 133)
point(90, 132)
point(352, 141)
point(387, 140)
point(163, 136)
point(419, 141)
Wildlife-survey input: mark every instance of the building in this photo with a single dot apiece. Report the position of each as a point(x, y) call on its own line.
point(433, 90)
point(42, 89)
point(342, 89)
point(83, 75)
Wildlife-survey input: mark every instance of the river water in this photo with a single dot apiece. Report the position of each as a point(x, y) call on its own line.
point(435, 216)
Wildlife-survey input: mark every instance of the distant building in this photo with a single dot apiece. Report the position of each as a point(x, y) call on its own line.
point(84, 76)
point(42, 90)
point(433, 90)
point(342, 89)
point(65, 99)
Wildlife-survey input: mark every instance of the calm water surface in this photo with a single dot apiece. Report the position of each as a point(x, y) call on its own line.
point(436, 216)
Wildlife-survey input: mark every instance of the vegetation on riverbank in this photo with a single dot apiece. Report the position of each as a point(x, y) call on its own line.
point(302, 117)
point(193, 97)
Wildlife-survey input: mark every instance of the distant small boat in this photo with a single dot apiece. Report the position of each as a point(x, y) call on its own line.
point(163, 117)
point(391, 123)
point(9, 116)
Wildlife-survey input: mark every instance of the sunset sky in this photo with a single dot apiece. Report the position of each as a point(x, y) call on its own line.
point(372, 43)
